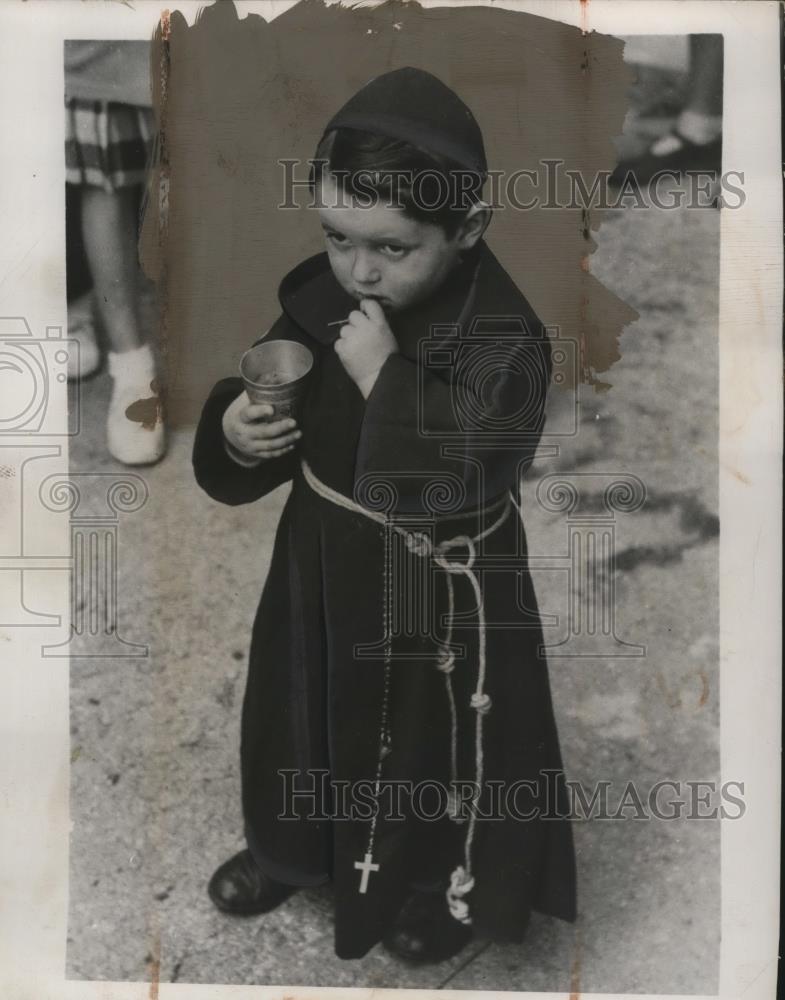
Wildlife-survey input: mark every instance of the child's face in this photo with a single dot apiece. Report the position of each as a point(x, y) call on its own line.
point(381, 253)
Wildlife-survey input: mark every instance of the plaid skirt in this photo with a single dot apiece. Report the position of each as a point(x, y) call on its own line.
point(107, 145)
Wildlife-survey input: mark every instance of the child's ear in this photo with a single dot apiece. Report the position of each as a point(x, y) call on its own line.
point(474, 225)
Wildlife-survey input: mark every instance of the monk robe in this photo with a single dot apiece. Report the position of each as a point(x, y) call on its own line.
point(436, 447)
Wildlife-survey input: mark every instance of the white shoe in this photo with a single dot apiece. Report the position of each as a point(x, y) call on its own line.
point(134, 425)
point(84, 357)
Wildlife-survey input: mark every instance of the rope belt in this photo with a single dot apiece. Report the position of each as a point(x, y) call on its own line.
point(417, 542)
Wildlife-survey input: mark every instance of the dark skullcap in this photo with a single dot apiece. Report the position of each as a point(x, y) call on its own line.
point(416, 107)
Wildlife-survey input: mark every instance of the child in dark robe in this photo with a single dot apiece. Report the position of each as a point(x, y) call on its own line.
point(398, 737)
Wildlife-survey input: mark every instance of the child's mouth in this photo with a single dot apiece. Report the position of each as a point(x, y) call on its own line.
point(381, 299)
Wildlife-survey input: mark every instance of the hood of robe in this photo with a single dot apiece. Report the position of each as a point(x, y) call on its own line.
point(415, 106)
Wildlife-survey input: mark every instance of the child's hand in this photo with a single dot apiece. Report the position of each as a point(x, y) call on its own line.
point(248, 428)
point(365, 343)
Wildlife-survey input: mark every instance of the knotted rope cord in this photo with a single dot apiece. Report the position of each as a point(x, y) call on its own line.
point(461, 880)
point(446, 664)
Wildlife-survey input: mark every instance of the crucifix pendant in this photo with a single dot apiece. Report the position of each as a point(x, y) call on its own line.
point(366, 867)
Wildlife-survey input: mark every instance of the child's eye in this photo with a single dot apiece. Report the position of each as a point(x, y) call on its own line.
point(394, 251)
point(337, 238)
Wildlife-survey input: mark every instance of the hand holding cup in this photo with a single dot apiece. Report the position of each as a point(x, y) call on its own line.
point(248, 428)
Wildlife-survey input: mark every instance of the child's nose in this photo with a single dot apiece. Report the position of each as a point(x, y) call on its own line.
point(364, 271)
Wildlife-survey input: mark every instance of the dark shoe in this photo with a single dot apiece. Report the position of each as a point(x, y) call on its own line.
point(694, 156)
point(240, 886)
point(425, 931)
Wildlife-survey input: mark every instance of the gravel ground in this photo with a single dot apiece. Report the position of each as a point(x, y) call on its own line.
point(155, 785)
point(155, 795)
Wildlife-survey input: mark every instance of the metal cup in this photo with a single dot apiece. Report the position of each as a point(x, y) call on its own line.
point(277, 373)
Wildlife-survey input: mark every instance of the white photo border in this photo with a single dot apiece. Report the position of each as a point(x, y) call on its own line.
point(34, 692)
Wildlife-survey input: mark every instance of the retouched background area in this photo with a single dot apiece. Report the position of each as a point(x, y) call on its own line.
point(239, 95)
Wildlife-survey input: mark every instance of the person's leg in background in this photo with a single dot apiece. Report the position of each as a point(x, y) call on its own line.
point(135, 430)
point(109, 233)
point(695, 140)
point(700, 122)
point(79, 290)
point(108, 149)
